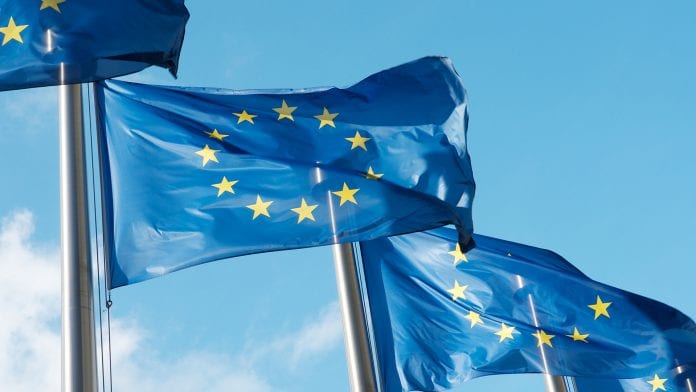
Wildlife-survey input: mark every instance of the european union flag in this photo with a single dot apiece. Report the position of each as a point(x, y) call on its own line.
point(443, 315)
point(51, 42)
point(677, 379)
point(193, 175)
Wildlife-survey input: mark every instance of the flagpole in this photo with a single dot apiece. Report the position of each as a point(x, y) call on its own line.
point(358, 355)
point(79, 366)
point(555, 383)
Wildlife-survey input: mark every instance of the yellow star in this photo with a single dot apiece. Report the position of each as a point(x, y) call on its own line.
point(371, 175)
point(260, 207)
point(326, 118)
point(216, 135)
point(458, 255)
point(208, 154)
point(346, 194)
point(304, 211)
point(600, 308)
point(457, 291)
point(358, 141)
point(505, 333)
point(475, 318)
point(225, 186)
point(543, 338)
point(12, 31)
point(285, 111)
point(51, 3)
point(658, 383)
point(578, 337)
point(244, 116)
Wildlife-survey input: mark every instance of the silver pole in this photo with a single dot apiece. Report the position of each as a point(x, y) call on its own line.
point(555, 383)
point(358, 356)
point(79, 366)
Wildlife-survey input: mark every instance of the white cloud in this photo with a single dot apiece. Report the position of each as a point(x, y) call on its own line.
point(30, 334)
point(29, 306)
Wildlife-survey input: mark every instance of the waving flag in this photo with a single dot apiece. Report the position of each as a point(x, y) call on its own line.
point(193, 175)
point(443, 315)
point(51, 42)
point(677, 379)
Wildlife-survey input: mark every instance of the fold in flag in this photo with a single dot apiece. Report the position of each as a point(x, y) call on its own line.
point(193, 175)
point(442, 315)
point(51, 42)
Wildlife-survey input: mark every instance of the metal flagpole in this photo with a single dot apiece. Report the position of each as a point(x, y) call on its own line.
point(358, 355)
point(555, 383)
point(79, 366)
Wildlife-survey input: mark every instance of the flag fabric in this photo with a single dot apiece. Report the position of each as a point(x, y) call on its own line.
point(679, 379)
point(193, 175)
point(52, 42)
point(442, 315)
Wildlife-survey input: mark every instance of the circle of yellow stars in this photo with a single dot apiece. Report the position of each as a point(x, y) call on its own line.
point(600, 308)
point(507, 332)
point(285, 112)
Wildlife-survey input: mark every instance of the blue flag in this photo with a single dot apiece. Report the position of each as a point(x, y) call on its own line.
point(678, 379)
point(51, 42)
point(443, 315)
point(193, 175)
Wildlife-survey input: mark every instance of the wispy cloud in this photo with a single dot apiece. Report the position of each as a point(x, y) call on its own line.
point(30, 334)
point(137, 368)
point(318, 336)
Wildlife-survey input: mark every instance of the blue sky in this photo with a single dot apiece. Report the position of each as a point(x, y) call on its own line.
point(582, 138)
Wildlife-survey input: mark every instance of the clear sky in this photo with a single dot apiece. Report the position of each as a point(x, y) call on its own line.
point(582, 138)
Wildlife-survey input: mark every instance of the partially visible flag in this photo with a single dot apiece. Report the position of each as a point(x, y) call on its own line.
point(676, 379)
point(193, 175)
point(51, 42)
point(443, 315)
